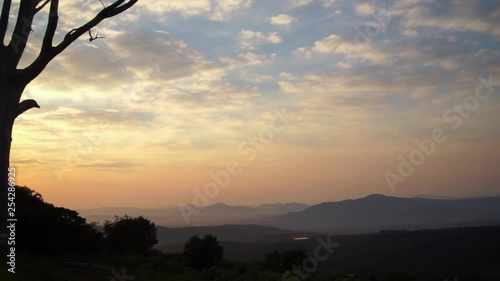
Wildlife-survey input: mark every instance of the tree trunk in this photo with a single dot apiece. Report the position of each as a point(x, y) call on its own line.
point(9, 100)
point(13, 81)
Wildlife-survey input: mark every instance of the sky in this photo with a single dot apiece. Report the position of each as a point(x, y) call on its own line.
point(258, 101)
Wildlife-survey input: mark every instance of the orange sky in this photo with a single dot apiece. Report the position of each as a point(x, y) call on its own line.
point(178, 90)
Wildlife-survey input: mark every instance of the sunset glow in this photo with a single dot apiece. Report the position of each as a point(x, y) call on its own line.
point(310, 101)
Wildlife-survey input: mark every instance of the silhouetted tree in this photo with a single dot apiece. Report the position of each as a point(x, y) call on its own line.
point(13, 80)
point(274, 260)
point(202, 253)
point(130, 235)
point(283, 261)
point(45, 229)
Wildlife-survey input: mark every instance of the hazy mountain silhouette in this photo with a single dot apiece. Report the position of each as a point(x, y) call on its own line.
point(215, 214)
point(275, 208)
point(111, 211)
point(473, 253)
point(281, 207)
point(376, 212)
point(221, 208)
point(364, 215)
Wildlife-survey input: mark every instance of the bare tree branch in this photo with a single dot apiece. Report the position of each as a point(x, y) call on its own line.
point(26, 105)
point(48, 54)
point(51, 26)
point(4, 19)
point(69, 33)
point(120, 9)
point(22, 29)
point(42, 6)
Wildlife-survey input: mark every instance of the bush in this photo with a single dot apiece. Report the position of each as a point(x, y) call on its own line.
point(130, 235)
point(202, 253)
point(45, 229)
point(283, 261)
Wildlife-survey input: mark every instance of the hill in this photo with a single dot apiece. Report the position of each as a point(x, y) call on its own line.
point(376, 212)
point(216, 214)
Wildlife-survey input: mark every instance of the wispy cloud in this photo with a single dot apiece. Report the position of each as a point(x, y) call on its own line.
point(176, 85)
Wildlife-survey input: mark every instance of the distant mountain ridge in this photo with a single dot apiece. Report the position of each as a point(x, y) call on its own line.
point(282, 207)
point(215, 214)
point(214, 208)
point(376, 212)
point(364, 215)
point(221, 208)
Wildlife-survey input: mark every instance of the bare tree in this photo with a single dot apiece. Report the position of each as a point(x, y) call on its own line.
point(14, 80)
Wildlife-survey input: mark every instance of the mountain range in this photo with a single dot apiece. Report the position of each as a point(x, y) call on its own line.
point(215, 214)
point(380, 212)
point(364, 215)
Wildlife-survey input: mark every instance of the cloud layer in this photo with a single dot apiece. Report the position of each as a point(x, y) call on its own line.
point(177, 86)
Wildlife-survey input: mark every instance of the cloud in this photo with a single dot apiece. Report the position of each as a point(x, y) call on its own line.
point(224, 9)
point(187, 81)
point(135, 80)
point(281, 19)
point(459, 16)
point(328, 3)
point(348, 49)
point(255, 78)
point(443, 53)
point(364, 9)
point(409, 32)
point(252, 40)
point(186, 8)
point(422, 92)
point(292, 4)
point(220, 10)
point(298, 3)
point(287, 76)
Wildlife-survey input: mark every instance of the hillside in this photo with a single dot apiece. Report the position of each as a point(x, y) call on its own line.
point(228, 233)
point(376, 212)
point(429, 254)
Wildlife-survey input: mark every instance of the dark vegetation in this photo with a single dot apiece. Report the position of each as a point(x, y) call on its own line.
point(45, 229)
point(202, 253)
point(286, 260)
point(56, 244)
point(54, 231)
point(169, 236)
point(130, 235)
